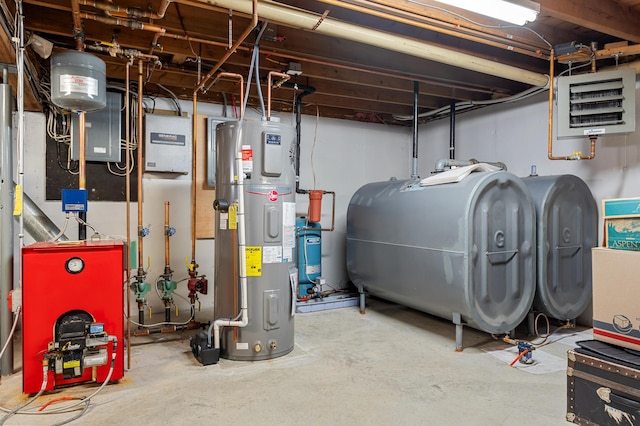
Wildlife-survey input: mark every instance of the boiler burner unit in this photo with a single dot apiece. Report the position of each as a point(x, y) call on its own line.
point(72, 313)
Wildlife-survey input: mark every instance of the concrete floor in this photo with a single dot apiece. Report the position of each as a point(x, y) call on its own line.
point(392, 366)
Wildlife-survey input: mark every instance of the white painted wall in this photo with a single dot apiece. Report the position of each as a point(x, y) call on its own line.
point(516, 134)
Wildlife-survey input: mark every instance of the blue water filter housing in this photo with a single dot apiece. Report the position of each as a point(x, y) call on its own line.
point(309, 254)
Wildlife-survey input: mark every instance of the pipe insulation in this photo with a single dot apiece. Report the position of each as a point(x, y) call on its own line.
point(302, 19)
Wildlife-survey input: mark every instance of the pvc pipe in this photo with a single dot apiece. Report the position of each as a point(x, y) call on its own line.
point(6, 224)
point(332, 27)
point(244, 311)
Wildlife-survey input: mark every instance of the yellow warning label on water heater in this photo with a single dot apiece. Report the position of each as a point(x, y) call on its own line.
point(254, 261)
point(233, 216)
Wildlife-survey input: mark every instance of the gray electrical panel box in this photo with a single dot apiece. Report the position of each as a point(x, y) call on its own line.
point(103, 132)
point(167, 143)
point(597, 104)
point(212, 123)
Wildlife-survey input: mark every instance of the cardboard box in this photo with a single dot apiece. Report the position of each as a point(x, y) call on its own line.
point(622, 223)
point(616, 296)
point(620, 207)
point(622, 234)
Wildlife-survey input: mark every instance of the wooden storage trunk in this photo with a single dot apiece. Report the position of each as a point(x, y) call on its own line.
point(603, 385)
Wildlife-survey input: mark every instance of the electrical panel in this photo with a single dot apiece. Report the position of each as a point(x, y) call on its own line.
point(167, 143)
point(596, 104)
point(102, 134)
point(212, 123)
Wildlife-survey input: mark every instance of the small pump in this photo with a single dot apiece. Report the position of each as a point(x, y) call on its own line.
point(165, 283)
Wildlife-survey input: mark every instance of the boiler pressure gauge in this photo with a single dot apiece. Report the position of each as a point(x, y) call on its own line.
point(74, 265)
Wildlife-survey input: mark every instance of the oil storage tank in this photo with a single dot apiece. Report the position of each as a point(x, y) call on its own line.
point(267, 191)
point(567, 216)
point(463, 251)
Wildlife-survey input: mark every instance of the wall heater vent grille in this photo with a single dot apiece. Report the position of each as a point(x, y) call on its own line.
point(596, 104)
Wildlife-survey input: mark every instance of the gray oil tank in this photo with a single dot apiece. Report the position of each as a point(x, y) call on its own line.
point(464, 248)
point(269, 199)
point(567, 217)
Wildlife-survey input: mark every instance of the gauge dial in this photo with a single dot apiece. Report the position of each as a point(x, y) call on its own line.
point(75, 265)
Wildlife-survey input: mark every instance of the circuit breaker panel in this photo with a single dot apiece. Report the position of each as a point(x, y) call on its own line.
point(103, 132)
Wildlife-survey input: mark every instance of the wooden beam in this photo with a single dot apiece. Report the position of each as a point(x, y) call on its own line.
point(8, 56)
point(608, 17)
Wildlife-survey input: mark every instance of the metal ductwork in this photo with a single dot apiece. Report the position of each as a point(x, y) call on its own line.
point(37, 223)
point(299, 18)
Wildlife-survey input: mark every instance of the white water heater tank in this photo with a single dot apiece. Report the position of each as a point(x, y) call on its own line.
point(78, 81)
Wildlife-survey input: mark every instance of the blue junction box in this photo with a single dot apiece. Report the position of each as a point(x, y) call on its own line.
point(74, 200)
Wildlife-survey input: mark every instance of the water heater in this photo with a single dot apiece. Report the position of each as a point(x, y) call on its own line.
point(268, 188)
point(73, 310)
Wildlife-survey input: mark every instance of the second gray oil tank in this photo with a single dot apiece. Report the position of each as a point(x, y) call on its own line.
point(567, 217)
point(463, 248)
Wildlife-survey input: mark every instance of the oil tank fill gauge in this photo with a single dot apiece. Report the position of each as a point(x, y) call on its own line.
point(74, 265)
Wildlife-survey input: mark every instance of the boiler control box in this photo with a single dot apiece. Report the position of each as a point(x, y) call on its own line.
point(167, 144)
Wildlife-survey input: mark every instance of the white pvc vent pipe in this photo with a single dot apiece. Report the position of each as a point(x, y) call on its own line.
point(298, 18)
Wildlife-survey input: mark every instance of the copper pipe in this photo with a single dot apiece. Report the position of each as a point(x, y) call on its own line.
point(82, 146)
point(162, 9)
point(166, 236)
point(127, 191)
point(232, 75)
point(139, 148)
point(336, 65)
point(315, 61)
point(154, 42)
point(132, 12)
point(194, 133)
point(78, 30)
point(129, 23)
point(127, 53)
point(413, 22)
point(245, 34)
point(592, 152)
point(550, 118)
point(283, 77)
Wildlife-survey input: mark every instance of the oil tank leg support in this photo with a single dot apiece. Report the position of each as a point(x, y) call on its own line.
point(457, 320)
point(530, 322)
point(362, 299)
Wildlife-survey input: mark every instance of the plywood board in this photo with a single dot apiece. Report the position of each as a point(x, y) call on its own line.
point(205, 215)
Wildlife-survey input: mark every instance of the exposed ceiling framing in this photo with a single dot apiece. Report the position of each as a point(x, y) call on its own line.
point(367, 75)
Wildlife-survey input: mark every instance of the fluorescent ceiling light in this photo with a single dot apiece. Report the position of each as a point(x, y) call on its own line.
point(517, 12)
